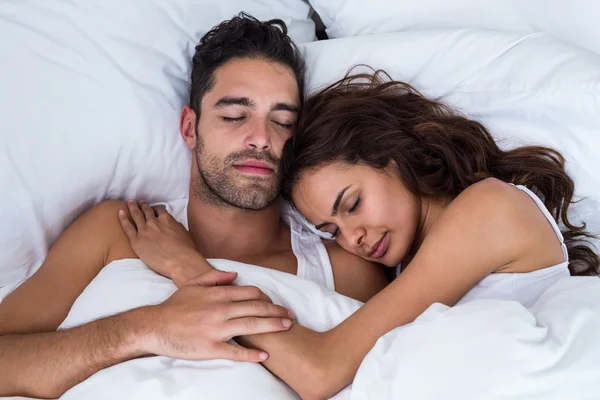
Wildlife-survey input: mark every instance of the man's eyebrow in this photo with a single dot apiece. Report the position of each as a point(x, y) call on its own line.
point(234, 101)
point(286, 107)
point(336, 206)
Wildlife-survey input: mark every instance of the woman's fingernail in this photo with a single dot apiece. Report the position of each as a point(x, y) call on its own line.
point(121, 213)
point(263, 356)
point(286, 323)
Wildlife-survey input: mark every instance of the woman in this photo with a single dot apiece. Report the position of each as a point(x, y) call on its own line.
point(399, 179)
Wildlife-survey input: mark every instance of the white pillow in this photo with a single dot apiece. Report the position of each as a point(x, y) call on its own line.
point(90, 98)
point(525, 88)
point(574, 21)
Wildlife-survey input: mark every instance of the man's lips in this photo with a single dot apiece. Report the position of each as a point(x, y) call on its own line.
point(255, 167)
point(379, 248)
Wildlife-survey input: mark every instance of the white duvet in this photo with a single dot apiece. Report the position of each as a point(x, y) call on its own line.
point(479, 350)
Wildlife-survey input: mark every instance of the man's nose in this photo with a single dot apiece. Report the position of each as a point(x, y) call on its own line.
point(259, 135)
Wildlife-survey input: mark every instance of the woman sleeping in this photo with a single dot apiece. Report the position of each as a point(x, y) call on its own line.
point(407, 182)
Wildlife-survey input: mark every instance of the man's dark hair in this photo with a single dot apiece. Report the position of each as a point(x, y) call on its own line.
point(242, 37)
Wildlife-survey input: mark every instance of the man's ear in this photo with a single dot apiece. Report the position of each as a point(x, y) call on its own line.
point(187, 127)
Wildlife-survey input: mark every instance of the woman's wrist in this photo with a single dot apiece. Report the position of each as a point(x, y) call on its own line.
point(188, 266)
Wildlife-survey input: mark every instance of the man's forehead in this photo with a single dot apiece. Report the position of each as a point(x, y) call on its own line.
point(253, 66)
point(254, 79)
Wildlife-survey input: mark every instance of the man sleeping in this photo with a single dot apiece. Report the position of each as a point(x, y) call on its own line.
point(246, 92)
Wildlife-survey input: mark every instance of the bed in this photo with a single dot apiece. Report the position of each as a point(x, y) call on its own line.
point(90, 98)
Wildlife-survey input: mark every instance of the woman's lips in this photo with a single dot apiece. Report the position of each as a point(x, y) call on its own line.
point(380, 247)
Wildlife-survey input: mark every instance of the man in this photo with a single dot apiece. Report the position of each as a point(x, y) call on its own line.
point(247, 83)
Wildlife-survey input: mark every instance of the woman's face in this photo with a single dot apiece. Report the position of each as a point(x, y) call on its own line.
point(368, 211)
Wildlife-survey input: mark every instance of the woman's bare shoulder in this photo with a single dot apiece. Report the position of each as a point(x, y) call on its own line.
point(506, 215)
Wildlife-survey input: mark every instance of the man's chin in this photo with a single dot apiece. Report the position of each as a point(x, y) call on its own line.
point(267, 180)
point(255, 206)
point(255, 197)
point(265, 188)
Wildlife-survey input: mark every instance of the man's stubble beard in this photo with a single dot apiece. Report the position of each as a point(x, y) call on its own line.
point(216, 184)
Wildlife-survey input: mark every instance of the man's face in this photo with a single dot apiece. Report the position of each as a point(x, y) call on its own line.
point(244, 122)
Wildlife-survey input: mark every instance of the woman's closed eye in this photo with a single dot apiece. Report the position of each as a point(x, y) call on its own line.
point(332, 229)
point(354, 206)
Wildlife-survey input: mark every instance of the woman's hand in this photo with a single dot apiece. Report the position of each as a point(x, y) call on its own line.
point(162, 243)
point(309, 362)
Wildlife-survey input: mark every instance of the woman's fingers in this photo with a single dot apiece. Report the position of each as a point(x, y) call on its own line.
point(160, 211)
point(128, 227)
point(136, 214)
point(147, 210)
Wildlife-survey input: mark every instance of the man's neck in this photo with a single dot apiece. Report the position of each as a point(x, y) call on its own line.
point(231, 233)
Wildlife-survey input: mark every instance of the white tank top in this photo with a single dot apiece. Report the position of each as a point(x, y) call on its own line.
point(312, 256)
point(527, 287)
point(313, 259)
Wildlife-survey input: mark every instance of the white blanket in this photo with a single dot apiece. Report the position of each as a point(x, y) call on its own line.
point(479, 350)
point(127, 284)
point(493, 350)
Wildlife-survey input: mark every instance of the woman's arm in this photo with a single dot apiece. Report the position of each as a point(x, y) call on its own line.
point(483, 230)
point(162, 243)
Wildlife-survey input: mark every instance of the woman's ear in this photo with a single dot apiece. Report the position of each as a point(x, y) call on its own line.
point(187, 127)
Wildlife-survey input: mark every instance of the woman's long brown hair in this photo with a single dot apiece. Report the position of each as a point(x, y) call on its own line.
point(372, 119)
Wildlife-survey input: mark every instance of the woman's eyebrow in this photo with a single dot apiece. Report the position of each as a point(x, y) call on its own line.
point(336, 206)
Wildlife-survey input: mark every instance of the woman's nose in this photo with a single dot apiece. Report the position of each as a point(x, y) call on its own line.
point(357, 237)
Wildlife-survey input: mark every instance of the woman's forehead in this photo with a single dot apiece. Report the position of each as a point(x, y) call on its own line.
point(317, 189)
point(335, 174)
point(320, 181)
